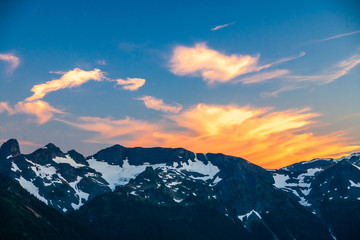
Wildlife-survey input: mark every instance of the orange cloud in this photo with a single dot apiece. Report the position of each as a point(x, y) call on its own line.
point(268, 138)
point(4, 106)
point(158, 104)
point(42, 110)
point(211, 65)
point(131, 84)
point(110, 131)
point(13, 60)
point(70, 79)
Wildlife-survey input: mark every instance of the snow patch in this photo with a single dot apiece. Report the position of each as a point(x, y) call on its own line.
point(116, 175)
point(247, 215)
point(31, 188)
point(14, 167)
point(80, 194)
point(352, 184)
point(208, 170)
point(68, 160)
point(280, 180)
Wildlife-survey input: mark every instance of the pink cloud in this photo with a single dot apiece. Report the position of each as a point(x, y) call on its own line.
point(40, 109)
point(12, 59)
point(158, 104)
point(131, 84)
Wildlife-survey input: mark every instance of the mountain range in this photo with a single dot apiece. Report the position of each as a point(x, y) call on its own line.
point(173, 193)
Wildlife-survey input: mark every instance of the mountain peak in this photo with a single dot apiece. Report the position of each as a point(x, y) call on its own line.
point(10, 147)
point(51, 146)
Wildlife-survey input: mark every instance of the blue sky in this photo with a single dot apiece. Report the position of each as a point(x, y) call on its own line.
point(251, 79)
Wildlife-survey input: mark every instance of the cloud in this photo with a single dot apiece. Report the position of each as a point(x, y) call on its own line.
point(339, 36)
point(261, 77)
point(266, 137)
point(110, 131)
point(131, 84)
point(40, 109)
point(4, 106)
point(331, 74)
point(23, 143)
point(158, 104)
point(73, 78)
point(214, 66)
point(211, 65)
point(301, 54)
point(101, 62)
point(222, 26)
point(10, 58)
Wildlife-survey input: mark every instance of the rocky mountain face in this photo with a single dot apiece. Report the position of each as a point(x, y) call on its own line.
point(23, 216)
point(192, 195)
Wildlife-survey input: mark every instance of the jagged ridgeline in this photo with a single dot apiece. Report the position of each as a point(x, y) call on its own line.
point(172, 193)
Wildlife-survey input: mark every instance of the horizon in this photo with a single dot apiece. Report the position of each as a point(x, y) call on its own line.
point(274, 84)
point(106, 147)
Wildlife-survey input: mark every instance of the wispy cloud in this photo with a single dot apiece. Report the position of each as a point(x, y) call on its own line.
point(264, 76)
point(331, 74)
point(158, 104)
point(338, 36)
point(270, 138)
point(101, 62)
point(73, 78)
point(110, 130)
point(43, 111)
point(222, 26)
point(216, 67)
point(11, 59)
point(131, 84)
point(334, 73)
point(4, 106)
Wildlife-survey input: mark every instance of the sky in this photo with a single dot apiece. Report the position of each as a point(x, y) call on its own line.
point(272, 82)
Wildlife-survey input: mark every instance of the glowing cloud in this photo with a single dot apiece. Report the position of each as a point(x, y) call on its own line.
point(211, 65)
point(42, 110)
point(13, 60)
point(131, 84)
point(70, 79)
point(268, 138)
point(110, 131)
point(4, 106)
point(158, 104)
point(222, 26)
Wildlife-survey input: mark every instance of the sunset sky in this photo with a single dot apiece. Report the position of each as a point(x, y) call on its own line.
point(272, 82)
